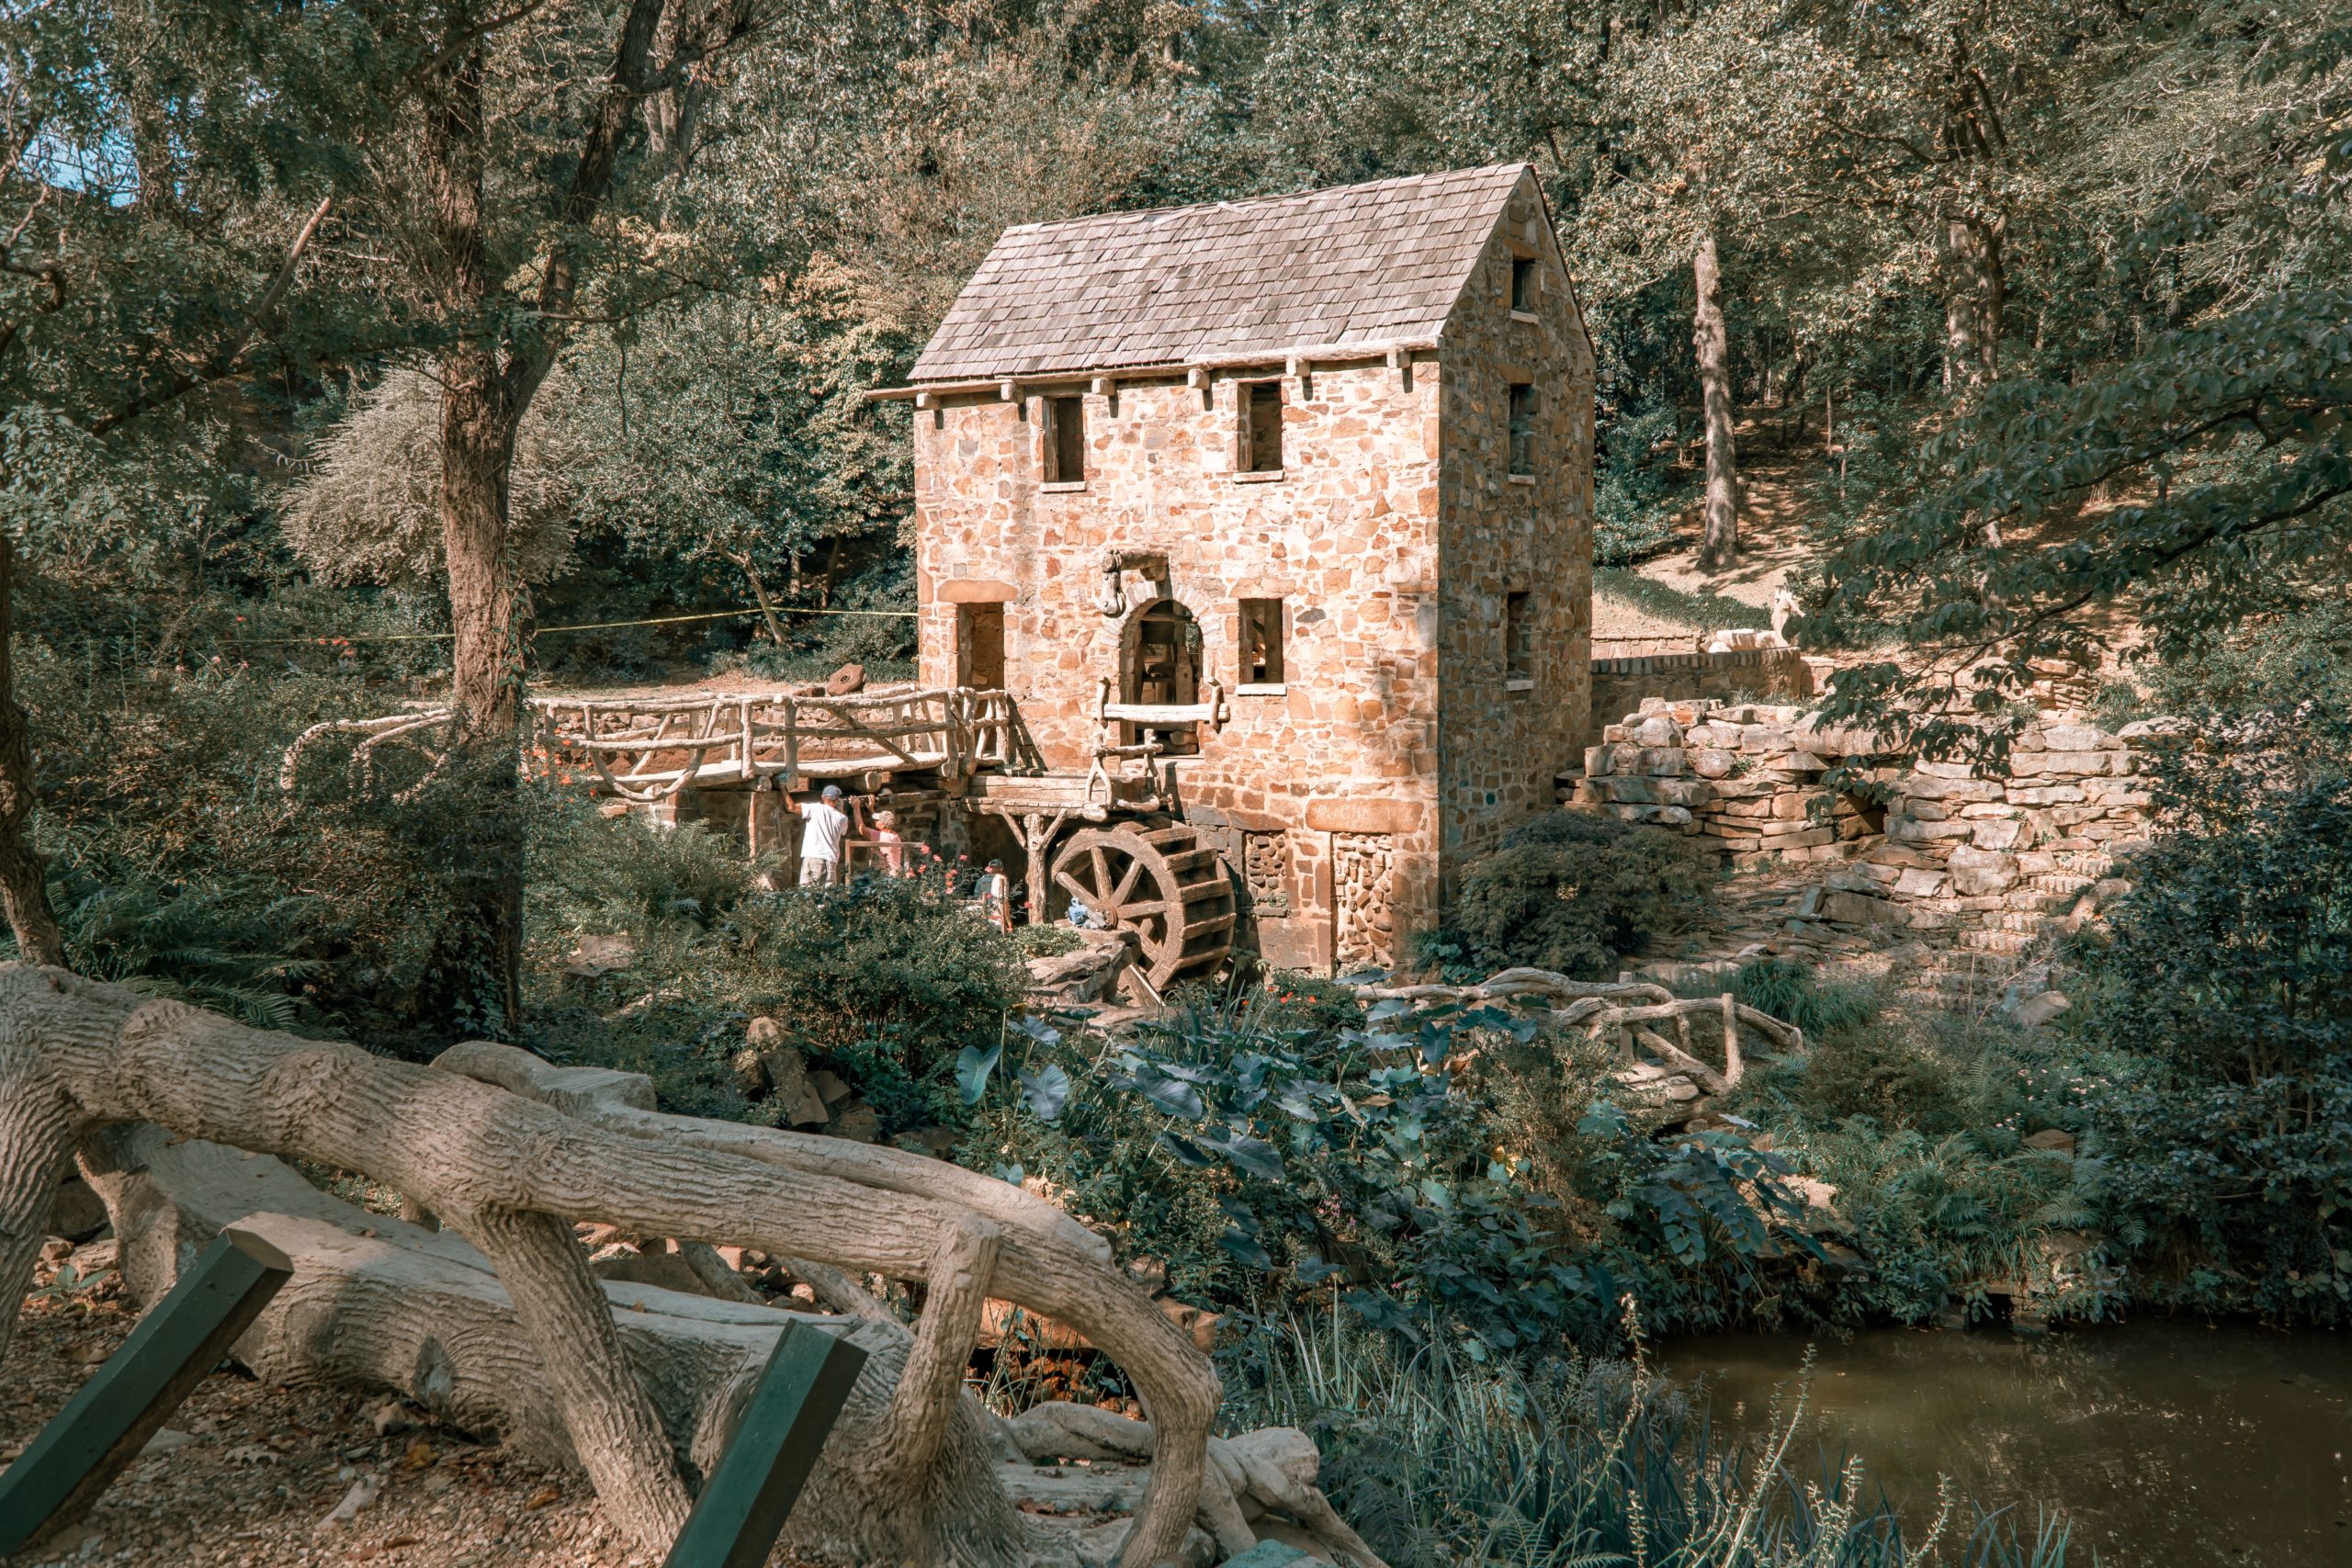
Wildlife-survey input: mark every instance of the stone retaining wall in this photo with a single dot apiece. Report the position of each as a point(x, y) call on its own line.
point(1623, 686)
point(1934, 846)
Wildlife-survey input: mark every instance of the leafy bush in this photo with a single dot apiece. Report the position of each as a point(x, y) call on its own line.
point(2226, 976)
point(1260, 1154)
point(887, 981)
point(1631, 515)
point(1575, 893)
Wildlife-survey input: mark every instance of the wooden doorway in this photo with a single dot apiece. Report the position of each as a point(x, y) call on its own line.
point(979, 646)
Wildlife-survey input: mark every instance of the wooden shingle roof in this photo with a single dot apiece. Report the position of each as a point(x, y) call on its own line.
point(1372, 265)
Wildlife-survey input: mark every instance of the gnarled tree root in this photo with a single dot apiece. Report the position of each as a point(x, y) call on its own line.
point(509, 1172)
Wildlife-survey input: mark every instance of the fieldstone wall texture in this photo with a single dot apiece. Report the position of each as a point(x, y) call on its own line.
point(1950, 850)
point(1393, 537)
point(1504, 735)
point(1746, 674)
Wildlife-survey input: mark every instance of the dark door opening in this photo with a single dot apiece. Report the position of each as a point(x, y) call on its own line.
point(979, 646)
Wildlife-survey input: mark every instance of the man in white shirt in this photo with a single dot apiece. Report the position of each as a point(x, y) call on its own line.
point(823, 827)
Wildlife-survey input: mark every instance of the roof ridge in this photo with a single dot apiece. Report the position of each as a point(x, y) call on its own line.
point(1377, 260)
point(1223, 203)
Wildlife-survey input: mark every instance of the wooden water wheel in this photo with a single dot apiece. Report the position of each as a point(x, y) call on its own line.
point(1161, 883)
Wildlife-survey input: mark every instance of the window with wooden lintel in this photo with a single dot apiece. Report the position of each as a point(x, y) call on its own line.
point(1522, 284)
point(1519, 641)
point(1522, 428)
point(1261, 427)
point(1065, 441)
point(1261, 642)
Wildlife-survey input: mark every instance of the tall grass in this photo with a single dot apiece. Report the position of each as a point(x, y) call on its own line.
point(1439, 1461)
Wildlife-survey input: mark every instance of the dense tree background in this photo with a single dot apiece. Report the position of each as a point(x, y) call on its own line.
point(2048, 300)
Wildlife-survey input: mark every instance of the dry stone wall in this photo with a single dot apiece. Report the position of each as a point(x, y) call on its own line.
point(1934, 847)
point(1744, 674)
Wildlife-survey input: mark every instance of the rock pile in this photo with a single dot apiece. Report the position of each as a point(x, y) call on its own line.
point(1949, 849)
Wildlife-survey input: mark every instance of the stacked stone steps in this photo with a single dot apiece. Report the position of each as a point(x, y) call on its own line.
point(2063, 884)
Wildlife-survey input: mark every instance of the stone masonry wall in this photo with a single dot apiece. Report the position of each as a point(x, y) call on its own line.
point(1619, 686)
point(1502, 741)
point(1952, 850)
point(1346, 536)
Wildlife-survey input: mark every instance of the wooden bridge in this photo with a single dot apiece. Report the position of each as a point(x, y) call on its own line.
point(648, 749)
point(1146, 873)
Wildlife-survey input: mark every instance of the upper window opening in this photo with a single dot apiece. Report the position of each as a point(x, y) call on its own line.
point(1261, 427)
point(1261, 642)
point(1522, 428)
point(1065, 440)
point(1522, 283)
point(1519, 638)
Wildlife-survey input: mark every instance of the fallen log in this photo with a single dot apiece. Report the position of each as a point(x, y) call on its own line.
point(508, 1175)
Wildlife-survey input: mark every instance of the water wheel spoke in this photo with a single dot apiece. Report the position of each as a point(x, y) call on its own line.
point(1127, 884)
point(1102, 876)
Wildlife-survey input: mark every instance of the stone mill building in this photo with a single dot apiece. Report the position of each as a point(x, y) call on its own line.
point(1288, 502)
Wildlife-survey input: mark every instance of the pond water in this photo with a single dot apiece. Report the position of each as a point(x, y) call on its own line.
point(2168, 1445)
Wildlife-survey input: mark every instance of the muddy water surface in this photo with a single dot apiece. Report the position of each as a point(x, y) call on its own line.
point(2168, 1445)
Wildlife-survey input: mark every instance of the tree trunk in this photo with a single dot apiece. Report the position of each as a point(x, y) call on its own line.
point(477, 970)
point(23, 879)
point(1975, 303)
point(1708, 338)
point(479, 960)
point(509, 1167)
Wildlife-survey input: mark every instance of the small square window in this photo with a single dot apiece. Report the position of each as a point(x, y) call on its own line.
point(1522, 428)
point(1261, 642)
point(1065, 441)
point(1522, 283)
point(1261, 427)
point(1519, 638)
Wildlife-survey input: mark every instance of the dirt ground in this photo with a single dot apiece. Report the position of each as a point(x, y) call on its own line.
point(248, 1474)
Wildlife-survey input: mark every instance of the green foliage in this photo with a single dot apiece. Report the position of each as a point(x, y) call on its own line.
point(2226, 974)
point(1262, 1154)
point(1631, 515)
point(1573, 892)
point(887, 981)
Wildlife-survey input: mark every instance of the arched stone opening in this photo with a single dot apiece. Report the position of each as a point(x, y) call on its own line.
point(1160, 665)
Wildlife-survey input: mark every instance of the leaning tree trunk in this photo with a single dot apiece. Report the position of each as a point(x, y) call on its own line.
point(1711, 344)
point(24, 880)
point(508, 1168)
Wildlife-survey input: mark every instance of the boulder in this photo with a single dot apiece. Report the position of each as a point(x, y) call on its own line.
point(2039, 1010)
point(2051, 1140)
point(1976, 871)
point(1848, 908)
point(1657, 730)
point(1090, 974)
point(2000, 834)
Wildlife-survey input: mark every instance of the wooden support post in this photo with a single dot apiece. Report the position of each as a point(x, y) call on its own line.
point(103, 1426)
point(751, 1491)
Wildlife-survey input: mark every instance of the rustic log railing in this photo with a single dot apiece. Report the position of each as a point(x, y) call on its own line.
point(646, 750)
